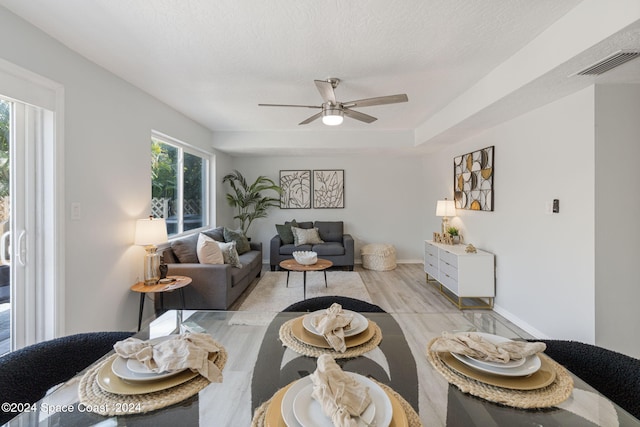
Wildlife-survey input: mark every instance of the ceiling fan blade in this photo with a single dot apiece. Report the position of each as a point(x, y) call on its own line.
point(326, 91)
point(359, 116)
point(380, 100)
point(289, 105)
point(310, 119)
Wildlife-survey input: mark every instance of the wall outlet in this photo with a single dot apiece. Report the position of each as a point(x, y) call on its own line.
point(76, 211)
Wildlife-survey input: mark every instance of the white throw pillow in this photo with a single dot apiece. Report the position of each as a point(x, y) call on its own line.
point(208, 250)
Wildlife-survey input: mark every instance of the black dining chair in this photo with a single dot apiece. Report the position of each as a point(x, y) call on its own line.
point(27, 374)
point(320, 303)
point(615, 375)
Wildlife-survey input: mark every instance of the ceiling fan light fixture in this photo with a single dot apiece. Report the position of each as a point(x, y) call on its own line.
point(333, 111)
point(332, 116)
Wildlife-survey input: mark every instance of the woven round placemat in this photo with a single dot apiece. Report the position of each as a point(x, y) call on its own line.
point(555, 393)
point(288, 339)
point(412, 416)
point(109, 404)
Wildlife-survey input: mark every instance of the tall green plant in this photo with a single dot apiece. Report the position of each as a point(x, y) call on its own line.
point(163, 170)
point(248, 199)
point(5, 121)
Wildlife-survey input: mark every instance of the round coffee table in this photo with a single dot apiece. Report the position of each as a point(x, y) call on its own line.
point(293, 265)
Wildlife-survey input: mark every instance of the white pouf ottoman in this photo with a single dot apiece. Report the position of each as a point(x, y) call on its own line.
point(378, 256)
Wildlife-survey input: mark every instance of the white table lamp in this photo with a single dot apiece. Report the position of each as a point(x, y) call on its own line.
point(149, 233)
point(445, 208)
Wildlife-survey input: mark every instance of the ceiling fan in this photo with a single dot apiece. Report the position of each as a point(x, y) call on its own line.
point(333, 111)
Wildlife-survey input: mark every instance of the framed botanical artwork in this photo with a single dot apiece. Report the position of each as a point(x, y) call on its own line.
point(328, 189)
point(473, 180)
point(296, 189)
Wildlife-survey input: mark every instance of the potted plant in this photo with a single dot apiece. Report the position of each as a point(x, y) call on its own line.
point(248, 199)
point(454, 233)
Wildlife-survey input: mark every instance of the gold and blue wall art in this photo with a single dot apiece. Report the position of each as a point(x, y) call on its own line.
point(473, 180)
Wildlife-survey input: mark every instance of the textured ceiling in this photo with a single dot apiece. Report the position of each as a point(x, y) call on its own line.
point(216, 60)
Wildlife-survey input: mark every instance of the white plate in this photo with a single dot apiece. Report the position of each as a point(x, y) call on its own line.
point(309, 413)
point(383, 409)
point(518, 369)
point(287, 402)
point(120, 368)
point(510, 364)
point(358, 324)
point(497, 339)
point(138, 367)
point(133, 370)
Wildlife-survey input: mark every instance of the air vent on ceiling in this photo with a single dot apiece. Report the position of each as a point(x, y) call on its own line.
point(610, 62)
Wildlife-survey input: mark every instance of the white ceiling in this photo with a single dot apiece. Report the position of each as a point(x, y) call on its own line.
point(216, 60)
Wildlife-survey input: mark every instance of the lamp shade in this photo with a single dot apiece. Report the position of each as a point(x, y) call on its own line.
point(445, 208)
point(151, 231)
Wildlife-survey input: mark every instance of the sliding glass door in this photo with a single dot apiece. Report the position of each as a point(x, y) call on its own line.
point(22, 303)
point(5, 217)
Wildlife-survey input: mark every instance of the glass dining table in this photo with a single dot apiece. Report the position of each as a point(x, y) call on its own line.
point(258, 367)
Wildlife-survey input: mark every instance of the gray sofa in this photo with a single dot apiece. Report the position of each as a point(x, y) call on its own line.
point(337, 246)
point(213, 286)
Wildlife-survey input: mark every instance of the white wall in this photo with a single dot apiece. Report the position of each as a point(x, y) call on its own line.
point(383, 199)
point(223, 165)
point(107, 130)
point(544, 262)
point(617, 228)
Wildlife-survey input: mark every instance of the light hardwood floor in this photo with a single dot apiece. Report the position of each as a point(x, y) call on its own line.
point(405, 290)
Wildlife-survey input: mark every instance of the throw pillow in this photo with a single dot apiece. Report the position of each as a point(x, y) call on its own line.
point(242, 243)
point(230, 254)
point(285, 233)
point(303, 236)
point(208, 250)
point(185, 249)
point(216, 233)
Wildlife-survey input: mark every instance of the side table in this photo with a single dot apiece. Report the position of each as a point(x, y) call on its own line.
point(179, 284)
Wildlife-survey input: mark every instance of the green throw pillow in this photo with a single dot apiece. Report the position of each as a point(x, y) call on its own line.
point(242, 243)
point(285, 233)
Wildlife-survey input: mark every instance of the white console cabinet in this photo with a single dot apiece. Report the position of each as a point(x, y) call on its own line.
point(469, 277)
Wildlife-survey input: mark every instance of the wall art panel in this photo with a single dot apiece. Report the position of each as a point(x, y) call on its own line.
point(296, 189)
point(328, 189)
point(473, 180)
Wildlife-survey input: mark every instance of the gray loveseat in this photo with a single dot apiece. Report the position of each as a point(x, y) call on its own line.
point(337, 246)
point(213, 286)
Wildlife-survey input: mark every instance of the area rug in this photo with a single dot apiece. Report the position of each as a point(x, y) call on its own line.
point(272, 295)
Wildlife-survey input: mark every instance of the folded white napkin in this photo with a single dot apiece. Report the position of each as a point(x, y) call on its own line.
point(331, 325)
point(341, 396)
point(193, 351)
point(474, 345)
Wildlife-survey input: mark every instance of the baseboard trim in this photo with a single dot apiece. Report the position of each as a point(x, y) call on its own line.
point(520, 323)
